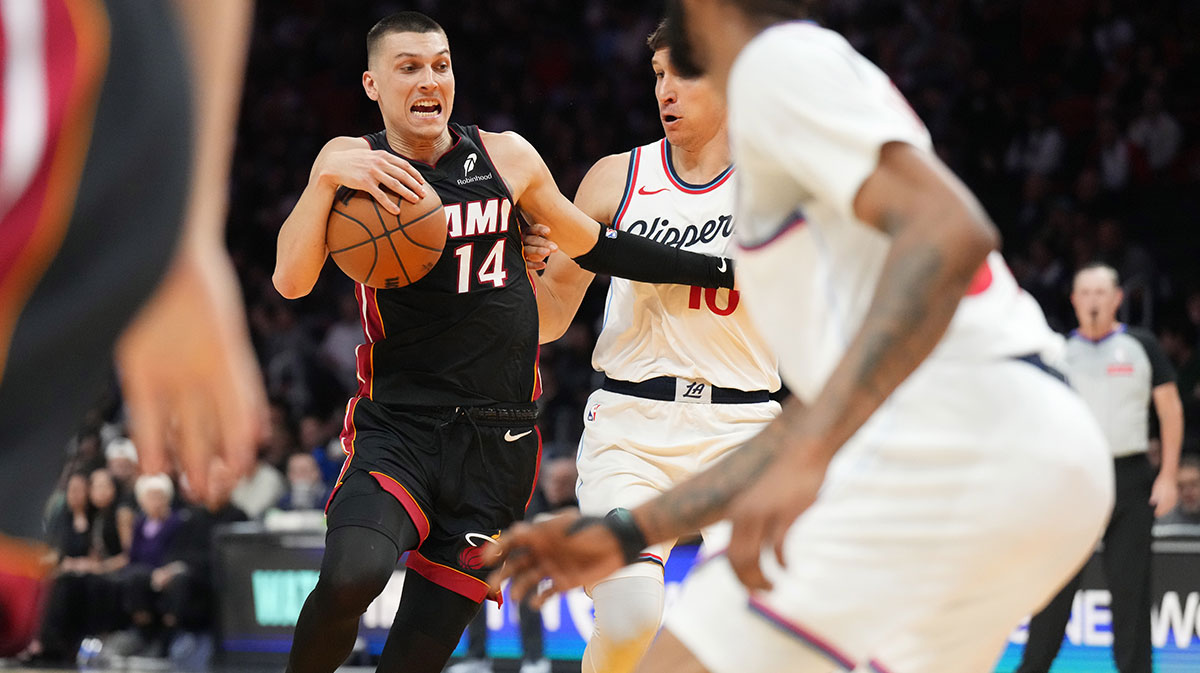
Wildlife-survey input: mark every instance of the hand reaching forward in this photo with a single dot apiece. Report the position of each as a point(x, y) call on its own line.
point(567, 549)
point(763, 513)
point(188, 372)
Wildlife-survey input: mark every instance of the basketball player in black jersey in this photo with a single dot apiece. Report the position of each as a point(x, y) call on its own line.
point(442, 450)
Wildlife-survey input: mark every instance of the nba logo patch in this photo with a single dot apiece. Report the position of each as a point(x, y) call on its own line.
point(591, 414)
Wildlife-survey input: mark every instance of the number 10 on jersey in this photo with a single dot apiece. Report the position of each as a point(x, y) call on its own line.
point(708, 297)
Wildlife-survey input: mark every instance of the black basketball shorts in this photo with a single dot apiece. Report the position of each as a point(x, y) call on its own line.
point(463, 474)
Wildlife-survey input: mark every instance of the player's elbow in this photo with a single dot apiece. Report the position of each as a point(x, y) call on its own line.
point(288, 286)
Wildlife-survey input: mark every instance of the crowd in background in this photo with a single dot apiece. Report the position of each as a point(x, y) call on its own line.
point(1076, 122)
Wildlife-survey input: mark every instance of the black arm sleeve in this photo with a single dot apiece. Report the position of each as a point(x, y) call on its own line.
point(630, 256)
point(1161, 369)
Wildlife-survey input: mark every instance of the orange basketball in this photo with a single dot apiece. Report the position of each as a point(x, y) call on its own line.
point(382, 250)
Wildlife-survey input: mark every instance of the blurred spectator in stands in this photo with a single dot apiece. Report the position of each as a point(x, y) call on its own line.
point(1187, 511)
point(87, 455)
point(1114, 155)
point(153, 534)
point(306, 489)
point(112, 535)
point(319, 436)
point(260, 489)
point(1156, 132)
point(121, 458)
point(1111, 33)
point(339, 347)
point(1038, 148)
point(182, 587)
point(70, 534)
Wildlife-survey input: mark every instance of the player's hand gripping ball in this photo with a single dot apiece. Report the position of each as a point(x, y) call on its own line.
point(382, 250)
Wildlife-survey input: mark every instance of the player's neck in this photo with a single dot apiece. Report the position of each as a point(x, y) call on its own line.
point(701, 163)
point(423, 150)
point(1098, 330)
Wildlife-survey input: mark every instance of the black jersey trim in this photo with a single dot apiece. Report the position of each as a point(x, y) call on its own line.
point(381, 137)
point(630, 183)
point(685, 186)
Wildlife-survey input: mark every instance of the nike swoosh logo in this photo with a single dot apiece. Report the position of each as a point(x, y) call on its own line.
point(472, 537)
point(643, 192)
point(510, 437)
point(721, 265)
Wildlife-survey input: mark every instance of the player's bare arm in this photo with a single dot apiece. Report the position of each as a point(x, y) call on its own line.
point(344, 161)
point(1169, 408)
point(583, 238)
point(187, 369)
point(562, 286)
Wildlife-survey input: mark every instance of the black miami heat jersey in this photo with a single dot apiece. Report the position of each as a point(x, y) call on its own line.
point(467, 333)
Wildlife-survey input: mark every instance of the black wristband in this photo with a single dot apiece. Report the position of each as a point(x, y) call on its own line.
point(634, 257)
point(633, 542)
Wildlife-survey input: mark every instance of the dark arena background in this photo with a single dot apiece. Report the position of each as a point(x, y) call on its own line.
point(1077, 123)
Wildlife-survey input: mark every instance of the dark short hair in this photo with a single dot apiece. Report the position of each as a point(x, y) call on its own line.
point(401, 22)
point(658, 39)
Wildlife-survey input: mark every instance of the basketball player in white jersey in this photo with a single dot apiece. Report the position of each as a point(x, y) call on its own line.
point(934, 482)
point(687, 377)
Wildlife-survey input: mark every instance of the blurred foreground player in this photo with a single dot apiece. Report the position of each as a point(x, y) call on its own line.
point(935, 480)
point(441, 443)
point(108, 147)
point(688, 377)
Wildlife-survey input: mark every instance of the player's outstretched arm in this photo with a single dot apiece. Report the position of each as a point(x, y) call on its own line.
point(562, 286)
point(351, 162)
point(187, 370)
point(591, 245)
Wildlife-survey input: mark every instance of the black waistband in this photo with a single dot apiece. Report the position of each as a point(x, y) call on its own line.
point(664, 389)
point(509, 414)
point(1036, 360)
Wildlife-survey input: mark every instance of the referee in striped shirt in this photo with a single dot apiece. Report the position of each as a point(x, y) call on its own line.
point(1118, 370)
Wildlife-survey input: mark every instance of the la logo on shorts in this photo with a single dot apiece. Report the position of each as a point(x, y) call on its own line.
point(591, 414)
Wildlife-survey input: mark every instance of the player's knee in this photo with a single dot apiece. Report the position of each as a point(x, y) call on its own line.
point(349, 586)
point(628, 610)
point(345, 593)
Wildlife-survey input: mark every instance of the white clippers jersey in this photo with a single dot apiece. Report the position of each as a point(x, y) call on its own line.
point(808, 116)
point(691, 333)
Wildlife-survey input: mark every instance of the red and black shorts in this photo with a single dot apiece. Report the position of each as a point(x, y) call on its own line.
point(462, 474)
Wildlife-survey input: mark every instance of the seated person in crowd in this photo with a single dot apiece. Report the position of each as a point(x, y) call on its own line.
point(306, 489)
point(70, 533)
point(154, 532)
point(182, 585)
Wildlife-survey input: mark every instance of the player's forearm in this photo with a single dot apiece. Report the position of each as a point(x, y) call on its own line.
point(560, 291)
point(626, 255)
point(217, 35)
point(300, 251)
point(929, 266)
